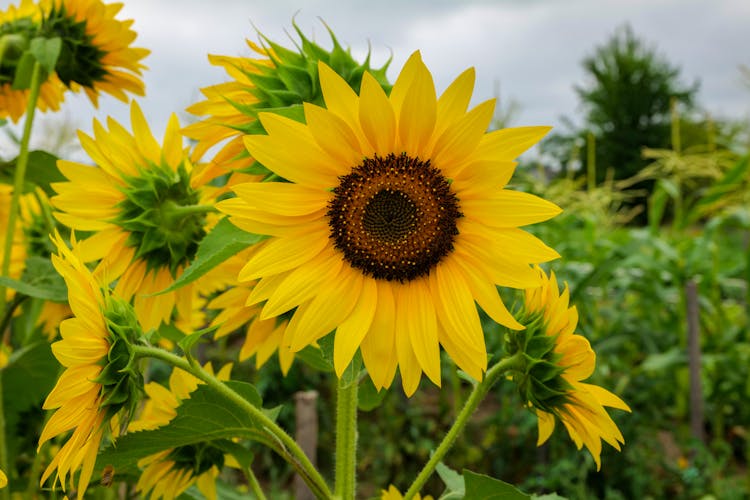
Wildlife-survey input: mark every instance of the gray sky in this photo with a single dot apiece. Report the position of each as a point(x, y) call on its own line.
point(533, 48)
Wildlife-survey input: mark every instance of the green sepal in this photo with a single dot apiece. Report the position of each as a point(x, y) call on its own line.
point(197, 458)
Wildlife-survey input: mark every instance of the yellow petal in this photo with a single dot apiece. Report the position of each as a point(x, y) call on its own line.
point(144, 139)
point(510, 209)
point(172, 153)
point(334, 136)
point(408, 365)
point(351, 331)
point(454, 100)
point(282, 254)
point(509, 143)
point(281, 198)
point(376, 116)
point(416, 121)
point(423, 329)
point(457, 144)
point(378, 346)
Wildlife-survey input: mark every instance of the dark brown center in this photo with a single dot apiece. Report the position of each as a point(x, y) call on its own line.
point(394, 218)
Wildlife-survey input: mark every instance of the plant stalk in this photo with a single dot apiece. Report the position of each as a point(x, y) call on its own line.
point(291, 451)
point(477, 395)
point(346, 439)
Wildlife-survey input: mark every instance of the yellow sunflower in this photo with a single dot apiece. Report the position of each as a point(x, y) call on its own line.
point(98, 382)
point(22, 21)
point(578, 405)
point(169, 473)
point(147, 210)
point(3, 479)
point(96, 55)
point(393, 223)
point(262, 337)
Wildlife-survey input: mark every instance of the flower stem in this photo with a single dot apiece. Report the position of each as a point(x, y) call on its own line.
point(290, 450)
point(254, 484)
point(346, 439)
point(18, 181)
point(477, 395)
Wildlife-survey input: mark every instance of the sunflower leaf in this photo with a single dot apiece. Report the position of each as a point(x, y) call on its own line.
point(205, 416)
point(224, 240)
point(488, 488)
point(39, 280)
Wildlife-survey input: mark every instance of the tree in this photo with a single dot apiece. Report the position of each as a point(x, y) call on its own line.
point(626, 101)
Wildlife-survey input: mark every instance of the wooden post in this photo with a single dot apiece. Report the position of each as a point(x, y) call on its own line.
point(306, 436)
point(694, 361)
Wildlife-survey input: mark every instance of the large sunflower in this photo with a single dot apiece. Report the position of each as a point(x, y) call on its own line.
point(98, 382)
point(96, 55)
point(578, 405)
point(23, 21)
point(147, 210)
point(393, 223)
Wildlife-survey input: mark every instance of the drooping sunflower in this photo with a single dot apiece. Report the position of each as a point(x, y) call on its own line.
point(262, 337)
point(147, 210)
point(169, 473)
point(554, 385)
point(17, 25)
point(96, 53)
point(99, 382)
point(393, 222)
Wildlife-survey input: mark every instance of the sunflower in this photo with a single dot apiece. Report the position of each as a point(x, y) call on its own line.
point(19, 23)
point(393, 223)
point(169, 473)
point(3, 479)
point(96, 55)
point(556, 389)
point(99, 383)
point(262, 337)
point(147, 210)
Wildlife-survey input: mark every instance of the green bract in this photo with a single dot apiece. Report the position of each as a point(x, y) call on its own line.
point(121, 378)
point(540, 381)
point(80, 59)
point(158, 213)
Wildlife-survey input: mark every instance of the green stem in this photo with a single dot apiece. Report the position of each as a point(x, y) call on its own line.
point(174, 212)
point(254, 484)
point(291, 450)
point(346, 439)
point(477, 395)
point(18, 181)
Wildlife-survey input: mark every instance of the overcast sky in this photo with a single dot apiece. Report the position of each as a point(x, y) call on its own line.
point(532, 48)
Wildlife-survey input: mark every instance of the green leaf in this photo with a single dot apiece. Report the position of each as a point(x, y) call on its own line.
point(39, 280)
point(369, 398)
point(243, 456)
point(46, 51)
point(313, 357)
point(481, 487)
point(41, 171)
point(224, 241)
point(455, 486)
point(206, 416)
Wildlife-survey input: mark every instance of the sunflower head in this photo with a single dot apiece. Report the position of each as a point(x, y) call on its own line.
point(556, 362)
point(393, 222)
point(96, 54)
point(280, 80)
point(18, 26)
